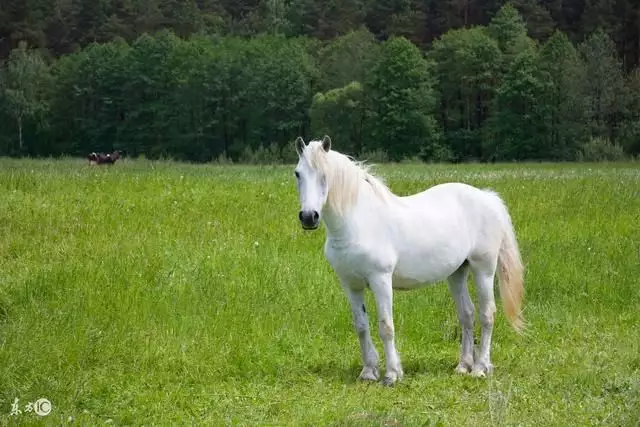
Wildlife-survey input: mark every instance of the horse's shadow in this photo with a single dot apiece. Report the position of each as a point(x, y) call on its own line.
point(334, 371)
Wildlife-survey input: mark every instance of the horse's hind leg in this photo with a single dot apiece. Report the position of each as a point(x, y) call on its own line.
point(483, 274)
point(464, 306)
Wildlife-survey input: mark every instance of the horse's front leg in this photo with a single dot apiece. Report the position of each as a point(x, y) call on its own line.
point(361, 325)
point(383, 292)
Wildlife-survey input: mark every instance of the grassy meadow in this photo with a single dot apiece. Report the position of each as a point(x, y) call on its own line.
point(159, 293)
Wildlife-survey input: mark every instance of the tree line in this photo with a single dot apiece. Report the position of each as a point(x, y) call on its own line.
point(486, 92)
point(63, 26)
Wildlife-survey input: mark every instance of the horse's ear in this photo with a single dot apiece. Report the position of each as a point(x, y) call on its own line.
point(326, 143)
point(299, 145)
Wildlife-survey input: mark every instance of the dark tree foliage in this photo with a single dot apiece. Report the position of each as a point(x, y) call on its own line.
point(561, 73)
point(401, 102)
point(468, 64)
point(62, 25)
point(199, 80)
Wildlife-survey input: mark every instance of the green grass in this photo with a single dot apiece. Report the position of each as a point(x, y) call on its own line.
point(161, 293)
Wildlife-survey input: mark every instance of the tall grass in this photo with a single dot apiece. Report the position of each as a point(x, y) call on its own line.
point(162, 293)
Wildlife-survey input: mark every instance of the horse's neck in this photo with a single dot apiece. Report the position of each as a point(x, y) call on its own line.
point(365, 211)
point(337, 225)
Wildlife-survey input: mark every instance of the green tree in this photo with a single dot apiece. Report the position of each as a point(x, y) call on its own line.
point(340, 113)
point(237, 9)
point(278, 93)
point(149, 17)
point(379, 16)
point(181, 106)
point(538, 20)
point(509, 30)
point(514, 128)
point(182, 17)
point(468, 69)
point(151, 84)
point(410, 22)
point(562, 73)
point(24, 89)
point(59, 28)
point(89, 16)
point(22, 21)
point(89, 106)
point(347, 58)
point(325, 19)
point(269, 17)
point(630, 126)
point(118, 23)
point(402, 101)
point(603, 85)
point(601, 15)
point(215, 19)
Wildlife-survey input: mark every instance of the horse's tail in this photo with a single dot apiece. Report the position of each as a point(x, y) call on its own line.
point(510, 273)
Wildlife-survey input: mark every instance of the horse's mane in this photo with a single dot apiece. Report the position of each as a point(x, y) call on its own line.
point(345, 177)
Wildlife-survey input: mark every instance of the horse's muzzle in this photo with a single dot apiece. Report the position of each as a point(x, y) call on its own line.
point(309, 219)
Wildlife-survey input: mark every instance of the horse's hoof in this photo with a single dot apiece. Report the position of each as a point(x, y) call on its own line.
point(478, 373)
point(481, 370)
point(389, 381)
point(369, 374)
point(392, 377)
point(462, 369)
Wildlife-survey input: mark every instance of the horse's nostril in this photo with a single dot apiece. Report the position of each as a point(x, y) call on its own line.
point(316, 216)
point(300, 215)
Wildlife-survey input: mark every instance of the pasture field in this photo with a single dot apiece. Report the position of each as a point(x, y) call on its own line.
point(159, 293)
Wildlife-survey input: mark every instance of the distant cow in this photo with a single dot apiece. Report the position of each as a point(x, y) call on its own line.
point(101, 158)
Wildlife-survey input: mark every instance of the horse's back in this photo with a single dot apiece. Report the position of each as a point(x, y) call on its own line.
point(481, 210)
point(455, 197)
point(442, 227)
point(445, 191)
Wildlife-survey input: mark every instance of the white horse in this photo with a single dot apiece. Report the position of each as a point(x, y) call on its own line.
point(378, 240)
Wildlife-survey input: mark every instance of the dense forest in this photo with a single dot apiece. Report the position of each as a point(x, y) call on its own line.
point(439, 80)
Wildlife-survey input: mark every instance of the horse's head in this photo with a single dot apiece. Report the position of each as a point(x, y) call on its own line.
point(311, 181)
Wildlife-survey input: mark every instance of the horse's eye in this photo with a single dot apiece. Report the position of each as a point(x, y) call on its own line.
point(297, 174)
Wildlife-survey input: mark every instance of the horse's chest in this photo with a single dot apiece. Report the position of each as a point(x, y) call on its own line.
point(357, 260)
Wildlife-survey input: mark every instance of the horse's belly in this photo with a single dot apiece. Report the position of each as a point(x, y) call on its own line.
point(413, 272)
point(411, 280)
point(406, 283)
